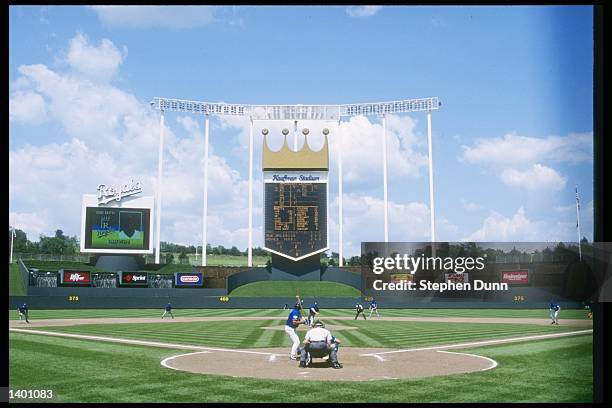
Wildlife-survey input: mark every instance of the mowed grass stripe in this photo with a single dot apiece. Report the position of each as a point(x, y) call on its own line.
point(264, 339)
point(252, 335)
point(488, 313)
point(227, 334)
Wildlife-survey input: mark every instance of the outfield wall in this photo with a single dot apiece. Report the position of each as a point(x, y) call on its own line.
point(334, 274)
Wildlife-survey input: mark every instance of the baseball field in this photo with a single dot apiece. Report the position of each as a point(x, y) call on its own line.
point(240, 355)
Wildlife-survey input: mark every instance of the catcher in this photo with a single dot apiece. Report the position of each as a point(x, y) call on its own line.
point(293, 321)
point(319, 342)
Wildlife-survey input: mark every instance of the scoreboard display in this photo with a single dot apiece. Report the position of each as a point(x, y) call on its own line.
point(295, 218)
point(117, 228)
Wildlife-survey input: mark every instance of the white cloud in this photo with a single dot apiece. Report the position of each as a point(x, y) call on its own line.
point(470, 206)
point(113, 136)
point(27, 107)
point(518, 227)
point(33, 224)
point(362, 155)
point(99, 63)
point(155, 16)
point(362, 11)
point(363, 220)
point(97, 113)
point(518, 160)
point(514, 150)
point(536, 178)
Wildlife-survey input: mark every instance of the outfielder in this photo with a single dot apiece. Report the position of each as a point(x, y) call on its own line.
point(293, 321)
point(374, 308)
point(168, 310)
point(554, 313)
point(359, 309)
point(23, 312)
point(312, 313)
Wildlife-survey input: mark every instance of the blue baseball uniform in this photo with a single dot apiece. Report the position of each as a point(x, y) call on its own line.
point(293, 321)
point(554, 313)
point(374, 308)
point(23, 312)
point(168, 310)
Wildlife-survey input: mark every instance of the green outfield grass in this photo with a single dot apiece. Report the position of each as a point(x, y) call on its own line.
point(227, 260)
point(16, 284)
point(291, 288)
point(93, 313)
point(250, 333)
point(552, 370)
point(57, 265)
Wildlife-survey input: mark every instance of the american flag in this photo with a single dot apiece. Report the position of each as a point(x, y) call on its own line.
point(577, 206)
point(577, 199)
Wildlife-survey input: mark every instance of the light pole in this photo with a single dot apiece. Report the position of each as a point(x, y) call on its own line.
point(12, 236)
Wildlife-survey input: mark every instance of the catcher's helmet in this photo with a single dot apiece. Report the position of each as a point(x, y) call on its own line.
point(318, 323)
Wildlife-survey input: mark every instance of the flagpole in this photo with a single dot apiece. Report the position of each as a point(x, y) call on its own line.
point(578, 224)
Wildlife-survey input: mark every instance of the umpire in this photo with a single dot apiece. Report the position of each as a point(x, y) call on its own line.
point(319, 342)
point(359, 309)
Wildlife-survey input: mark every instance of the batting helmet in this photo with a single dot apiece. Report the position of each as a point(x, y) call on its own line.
point(318, 323)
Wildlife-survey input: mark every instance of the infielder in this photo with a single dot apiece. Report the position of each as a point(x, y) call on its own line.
point(312, 313)
point(554, 313)
point(168, 310)
point(23, 312)
point(374, 308)
point(359, 309)
point(319, 342)
point(293, 321)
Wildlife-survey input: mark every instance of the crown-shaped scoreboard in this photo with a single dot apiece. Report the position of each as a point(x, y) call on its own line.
point(295, 199)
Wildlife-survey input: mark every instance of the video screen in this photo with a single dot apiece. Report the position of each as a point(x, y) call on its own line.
point(117, 228)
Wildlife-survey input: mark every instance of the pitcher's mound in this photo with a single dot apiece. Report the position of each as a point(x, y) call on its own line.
point(274, 363)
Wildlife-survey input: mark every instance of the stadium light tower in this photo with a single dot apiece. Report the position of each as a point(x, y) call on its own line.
point(295, 113)
point(12, 236)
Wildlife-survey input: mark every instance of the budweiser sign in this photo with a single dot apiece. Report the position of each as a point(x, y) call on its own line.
point(514, 277)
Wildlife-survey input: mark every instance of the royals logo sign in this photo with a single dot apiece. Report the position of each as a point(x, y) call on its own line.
point(107, 194)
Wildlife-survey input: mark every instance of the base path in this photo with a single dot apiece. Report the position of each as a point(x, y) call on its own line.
point(357, 367)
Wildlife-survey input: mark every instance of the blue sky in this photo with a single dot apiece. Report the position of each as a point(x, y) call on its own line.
point(511, 141)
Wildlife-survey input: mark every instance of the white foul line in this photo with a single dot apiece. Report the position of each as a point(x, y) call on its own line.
point(165, 361)
point(493, 362)
point(485, 343)
point(136, 342)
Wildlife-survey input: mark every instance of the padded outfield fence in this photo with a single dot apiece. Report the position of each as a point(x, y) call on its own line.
point(206, 296)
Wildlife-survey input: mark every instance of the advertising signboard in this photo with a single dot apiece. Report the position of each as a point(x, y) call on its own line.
point(188, 279)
